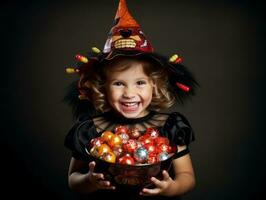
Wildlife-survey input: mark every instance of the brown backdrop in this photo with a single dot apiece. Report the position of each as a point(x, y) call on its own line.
point(222, 42)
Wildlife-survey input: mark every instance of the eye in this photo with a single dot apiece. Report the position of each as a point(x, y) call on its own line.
point(141, 82)
point(117, 83)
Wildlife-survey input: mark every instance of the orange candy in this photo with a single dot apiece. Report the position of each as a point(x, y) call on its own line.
point(109, 157)
point(104, 148)
point(115, 140)
point(107, 135)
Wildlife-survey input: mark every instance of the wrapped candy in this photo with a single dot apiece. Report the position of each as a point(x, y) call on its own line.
point(130, 146)
point(117, 146)
point(115, 141)
point(126, 160)
point(128, 156)
point(141, 155)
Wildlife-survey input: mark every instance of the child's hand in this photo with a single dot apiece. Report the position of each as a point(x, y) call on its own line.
point(97, 179)
point(161, 186)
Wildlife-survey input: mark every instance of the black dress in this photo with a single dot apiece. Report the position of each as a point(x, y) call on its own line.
point(173, 125)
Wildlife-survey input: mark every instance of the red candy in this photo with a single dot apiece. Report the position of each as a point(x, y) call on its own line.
point(126, 160)
point(121, 129)
point(161, 140)
point(96, 142)
point(163, 148)
point(152, 132)
point(130, 146)
point(151, 148)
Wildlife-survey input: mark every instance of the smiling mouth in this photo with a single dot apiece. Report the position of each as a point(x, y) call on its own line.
point(129, 106)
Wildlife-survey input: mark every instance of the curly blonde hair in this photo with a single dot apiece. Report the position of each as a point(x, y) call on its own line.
point(93, 82)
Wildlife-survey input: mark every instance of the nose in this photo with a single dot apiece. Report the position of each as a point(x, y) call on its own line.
point(125, 33)
point(128, 93)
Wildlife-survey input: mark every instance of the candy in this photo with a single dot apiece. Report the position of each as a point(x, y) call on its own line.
point(141, 154)
point(128, 147)
point(126, 160)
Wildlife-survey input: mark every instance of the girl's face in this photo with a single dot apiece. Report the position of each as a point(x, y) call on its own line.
point(129, 91)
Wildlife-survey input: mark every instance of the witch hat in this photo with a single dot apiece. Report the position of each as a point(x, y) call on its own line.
point(126, 33)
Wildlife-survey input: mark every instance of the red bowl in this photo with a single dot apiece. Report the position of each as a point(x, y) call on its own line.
point(131, 175)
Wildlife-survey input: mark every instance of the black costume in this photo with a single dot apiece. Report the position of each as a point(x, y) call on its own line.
point(126, 39)
point(174, 126)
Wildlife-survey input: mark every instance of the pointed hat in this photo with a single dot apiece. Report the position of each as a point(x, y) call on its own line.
point(126, 34)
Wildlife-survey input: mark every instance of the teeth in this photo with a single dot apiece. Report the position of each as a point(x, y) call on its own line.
point(125, 43)
point(130, 104)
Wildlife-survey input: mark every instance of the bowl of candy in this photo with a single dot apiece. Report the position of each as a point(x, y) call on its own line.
point(128, 157)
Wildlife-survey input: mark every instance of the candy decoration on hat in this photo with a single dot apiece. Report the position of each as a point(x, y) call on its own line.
point(183, 87)
point(96, 50)
point(71, 70)
point(81, 58)
point(175, 59)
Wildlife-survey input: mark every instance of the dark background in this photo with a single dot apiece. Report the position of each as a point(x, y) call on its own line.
point(223, 44)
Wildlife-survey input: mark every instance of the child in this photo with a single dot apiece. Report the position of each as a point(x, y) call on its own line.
point(127, 84)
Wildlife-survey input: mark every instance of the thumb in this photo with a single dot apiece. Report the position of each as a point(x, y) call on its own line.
point(165, 175)
point(92, 166)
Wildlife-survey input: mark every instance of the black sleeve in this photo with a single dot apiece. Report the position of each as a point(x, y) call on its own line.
point(79, 136)
point(179, 131)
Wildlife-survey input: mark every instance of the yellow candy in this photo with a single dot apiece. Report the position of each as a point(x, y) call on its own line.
point(173, 58)
point(96, 50)
point(82, 58)
point(70, 70)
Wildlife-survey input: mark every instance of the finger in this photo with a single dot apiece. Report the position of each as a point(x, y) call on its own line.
point(156, 181)
point(106, 185)
point(150, 192)
point(165, 175)
point(98, 176)
point(92, 166)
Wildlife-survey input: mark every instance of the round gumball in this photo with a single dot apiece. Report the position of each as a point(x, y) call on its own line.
point(134, 133)
point(152, 132)
point(124, 137)
point(146, 140)
point(150, 147)
point(104, 148)
point(96, 142)
point(109, 157)
point(141, 155)
point(162, 156)
point(126, 160)
point(130, 146)
point(115, 140)
point(143, 137)
point(121, 129)
point(107, 135)
point(163, 148)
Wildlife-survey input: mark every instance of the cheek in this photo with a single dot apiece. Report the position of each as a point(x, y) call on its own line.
point(113, 94)
point(147, 94)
